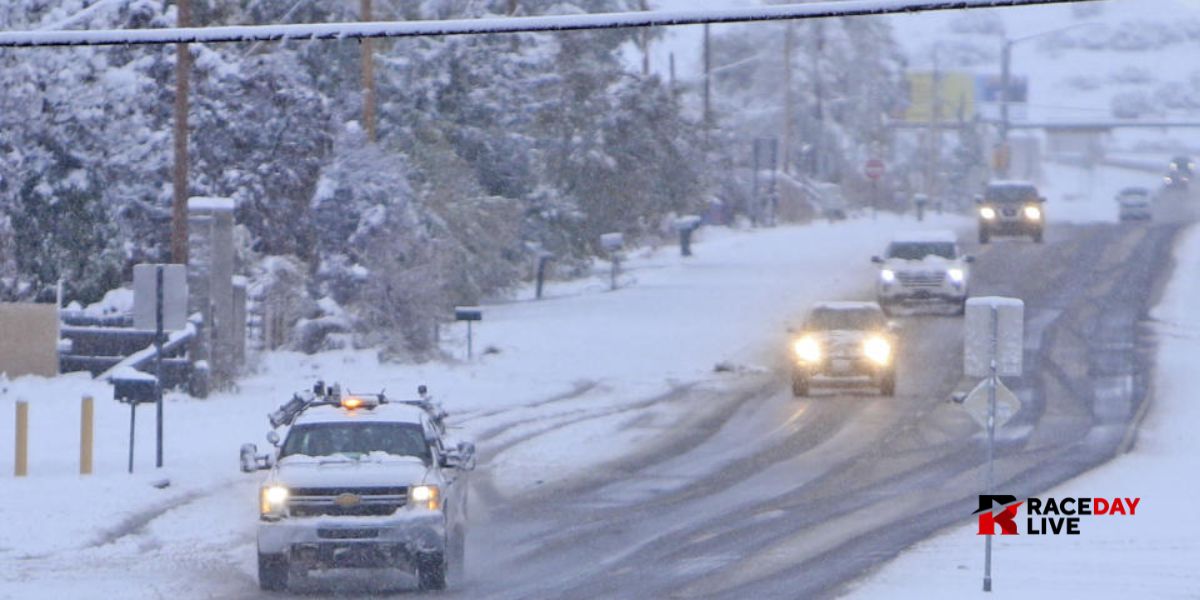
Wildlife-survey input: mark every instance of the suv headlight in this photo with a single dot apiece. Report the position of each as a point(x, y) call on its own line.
point(807, 349)
point(988, 213)
point(425, 496)
point(272, 501)
point(878, 350)
point(1033, 213)
point(956, 275)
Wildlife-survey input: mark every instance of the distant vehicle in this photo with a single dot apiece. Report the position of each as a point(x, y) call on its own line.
point(1011, 208)
point(1179, 173)
point(832, 202)
point(360, 481)
point(844, 341)
point(1133, 204)
point(923, 268)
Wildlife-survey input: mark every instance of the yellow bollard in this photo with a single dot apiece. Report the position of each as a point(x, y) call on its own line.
point(86, 419)
point(21, 464)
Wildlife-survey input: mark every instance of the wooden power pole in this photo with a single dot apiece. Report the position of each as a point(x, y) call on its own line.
point(368, 75)
point(788, 99)
point(183, 59)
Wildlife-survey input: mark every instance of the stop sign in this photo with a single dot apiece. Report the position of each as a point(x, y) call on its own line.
point(874, 168)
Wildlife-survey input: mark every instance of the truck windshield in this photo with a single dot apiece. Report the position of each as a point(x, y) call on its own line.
point(854, 320)
point(327, 439)
point(919, 250)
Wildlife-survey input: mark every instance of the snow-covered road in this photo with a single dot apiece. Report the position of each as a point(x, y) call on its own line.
point(616, 463)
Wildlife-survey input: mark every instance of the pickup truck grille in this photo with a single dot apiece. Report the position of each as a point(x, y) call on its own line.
point(346, 502)
point(924, 279)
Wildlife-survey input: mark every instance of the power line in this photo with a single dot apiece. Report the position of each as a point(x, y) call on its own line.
point(380, 29)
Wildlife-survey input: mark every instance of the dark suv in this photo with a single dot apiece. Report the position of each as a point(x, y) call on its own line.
point(1011, 208)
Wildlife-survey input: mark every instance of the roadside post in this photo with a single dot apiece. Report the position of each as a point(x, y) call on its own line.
point(21, 455)
point(612, 243)
point(543, 259)
point(993, 347)
point(86, 435)
point(686, 226)
point(133, 388)
point(468, 314)
point(158, 357)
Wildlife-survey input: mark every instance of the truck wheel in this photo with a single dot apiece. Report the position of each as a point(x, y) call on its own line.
point(887, 387)
point(1037, 236)
point(985, 236)
point(961, 308)
point(799, 386)
point(431, 571)
point(272, 572)
point(458, 557)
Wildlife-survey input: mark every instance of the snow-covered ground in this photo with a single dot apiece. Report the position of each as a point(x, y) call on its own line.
point(573, 361)
point(1150, 555)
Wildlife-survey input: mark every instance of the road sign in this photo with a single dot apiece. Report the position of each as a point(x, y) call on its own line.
point(1007, 403)
point(985, 340)
point(874, 168)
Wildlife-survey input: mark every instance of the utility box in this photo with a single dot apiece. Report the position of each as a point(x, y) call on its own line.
point(1008, 330)
point(175, 296)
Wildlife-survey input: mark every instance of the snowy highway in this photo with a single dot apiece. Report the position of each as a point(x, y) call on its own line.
point(755, 492)
point(845, 481)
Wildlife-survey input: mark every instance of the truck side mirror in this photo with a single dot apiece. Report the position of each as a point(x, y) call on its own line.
point(461, 457)
point(273, 437)
point(877, 260)
point(251, 460)
point(969, 258)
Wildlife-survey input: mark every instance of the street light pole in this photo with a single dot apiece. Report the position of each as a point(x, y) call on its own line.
point(1005, 75)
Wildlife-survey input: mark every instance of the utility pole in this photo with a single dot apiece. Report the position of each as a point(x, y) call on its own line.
point(1005, 62)
point(935, 131)
point(819, 92)
point(645, 43)
point(788, 100)
point(368, 75)
point(707, 85)
point(183, 59)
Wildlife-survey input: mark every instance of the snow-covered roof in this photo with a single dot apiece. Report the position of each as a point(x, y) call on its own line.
point(927, 235)
point(1010, 183)
point(846, 305)
point(402, 413)
point(207, 204)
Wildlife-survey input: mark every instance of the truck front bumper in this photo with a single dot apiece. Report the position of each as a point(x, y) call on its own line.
point(351, 542)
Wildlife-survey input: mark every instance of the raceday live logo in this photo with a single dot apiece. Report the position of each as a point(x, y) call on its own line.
point(1002, 513)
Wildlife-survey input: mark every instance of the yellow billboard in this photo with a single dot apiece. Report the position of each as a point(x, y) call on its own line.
point(955, 96)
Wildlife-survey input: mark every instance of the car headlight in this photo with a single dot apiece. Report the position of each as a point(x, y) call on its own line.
point(807, 349)
point(1033, 213)
point(272, 501)
point(988, 213)
point(425, 496)
point(956, 275)
point(887, 275)
point(878, 350)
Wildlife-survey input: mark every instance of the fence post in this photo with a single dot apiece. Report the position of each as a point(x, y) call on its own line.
point(86, 418)
point(21, 463)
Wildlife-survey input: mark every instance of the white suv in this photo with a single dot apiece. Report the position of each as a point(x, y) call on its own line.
point(923, 268)
point(360, 481)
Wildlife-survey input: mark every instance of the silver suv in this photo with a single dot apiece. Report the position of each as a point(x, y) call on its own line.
point(923, 268)
point(360, 481)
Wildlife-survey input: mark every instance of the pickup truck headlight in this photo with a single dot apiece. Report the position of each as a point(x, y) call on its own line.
point(807, 349)
point(878, 350)
point(988, 213)
point(425, 496)
point(272, 501)
point(1033, 213)
point(887, 275)
point(956, 275)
